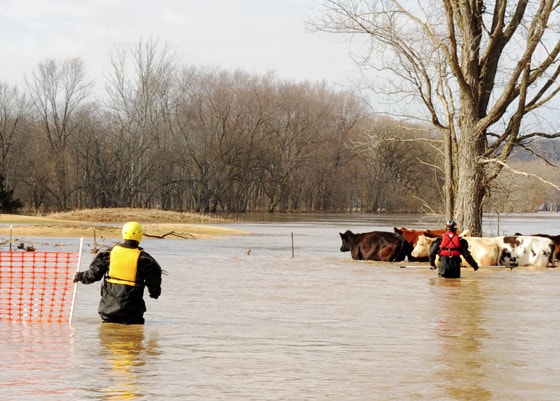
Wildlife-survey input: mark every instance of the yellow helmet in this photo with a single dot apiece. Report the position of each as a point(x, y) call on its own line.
point(132, 230)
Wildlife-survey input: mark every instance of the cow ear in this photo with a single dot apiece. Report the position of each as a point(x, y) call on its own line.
point(397, 231)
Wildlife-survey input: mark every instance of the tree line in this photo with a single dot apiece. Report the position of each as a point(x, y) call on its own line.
point(184, 138)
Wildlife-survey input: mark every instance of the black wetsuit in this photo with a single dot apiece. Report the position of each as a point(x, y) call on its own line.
point(122, 301)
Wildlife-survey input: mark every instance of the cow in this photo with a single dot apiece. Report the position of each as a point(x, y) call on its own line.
point(526, 250)
point(375, 245)
point(555, 257)
point(485, 251)
point(411, 236)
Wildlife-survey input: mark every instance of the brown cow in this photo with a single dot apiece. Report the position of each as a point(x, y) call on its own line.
point(375, 245)
point(411, 236)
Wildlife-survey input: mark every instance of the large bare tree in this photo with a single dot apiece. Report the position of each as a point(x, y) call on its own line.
point(482, 72)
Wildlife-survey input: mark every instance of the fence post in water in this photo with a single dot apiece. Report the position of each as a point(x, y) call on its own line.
point(292, 244)
point(498, 222)
point(76, 283)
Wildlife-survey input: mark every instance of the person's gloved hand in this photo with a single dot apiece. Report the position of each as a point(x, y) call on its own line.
point(78, 276)
point(475, 267)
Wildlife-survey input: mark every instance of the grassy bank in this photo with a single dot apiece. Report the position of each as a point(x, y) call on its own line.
point(107, 223)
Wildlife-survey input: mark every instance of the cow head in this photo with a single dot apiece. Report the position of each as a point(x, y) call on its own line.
point(431, 234)
point(422, 247)
point(508, 258)
point(555, 255)
point(510, 251)
point(347, 238)
point(542, 254)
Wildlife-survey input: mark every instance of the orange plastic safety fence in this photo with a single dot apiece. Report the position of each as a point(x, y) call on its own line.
point(37, 286)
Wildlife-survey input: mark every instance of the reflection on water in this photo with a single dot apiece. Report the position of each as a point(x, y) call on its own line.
point(36, 358)
point(233, 325)
point(125, 351)
point(461, 333)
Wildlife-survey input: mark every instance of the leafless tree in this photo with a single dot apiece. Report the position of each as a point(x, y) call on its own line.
point(14, 113)
point(306, 117)
point(56, 91)
point(325, 123)
point(96, 159)
point(393, 163)
point(139, 89)
point(249, 142)
point(481, 70)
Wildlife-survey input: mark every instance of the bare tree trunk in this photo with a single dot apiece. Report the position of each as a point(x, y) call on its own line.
point(470, 188)
point(469, 200)
point(449, 169)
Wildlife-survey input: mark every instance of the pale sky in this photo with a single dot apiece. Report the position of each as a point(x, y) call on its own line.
point(255, 36)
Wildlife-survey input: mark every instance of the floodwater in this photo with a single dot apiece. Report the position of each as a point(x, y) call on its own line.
point(281, 314)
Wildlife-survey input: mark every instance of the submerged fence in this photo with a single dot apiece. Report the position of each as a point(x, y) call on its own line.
point(37, 286)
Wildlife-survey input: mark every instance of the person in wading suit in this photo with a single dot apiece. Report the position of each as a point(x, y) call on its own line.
point(126, 269)
point(450, 247)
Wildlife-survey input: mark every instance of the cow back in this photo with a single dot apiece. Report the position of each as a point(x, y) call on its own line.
point(526, 250)
point(484, 250)
point(375, 245)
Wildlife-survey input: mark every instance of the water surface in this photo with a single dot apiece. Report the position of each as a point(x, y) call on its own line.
point(281, 314)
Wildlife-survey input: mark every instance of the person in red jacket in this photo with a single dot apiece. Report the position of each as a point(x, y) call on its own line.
point(126, 269)
point(450, 247)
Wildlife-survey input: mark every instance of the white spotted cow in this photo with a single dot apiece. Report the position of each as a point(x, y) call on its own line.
point(526, 250)
point(509, 251)
point(556, 238)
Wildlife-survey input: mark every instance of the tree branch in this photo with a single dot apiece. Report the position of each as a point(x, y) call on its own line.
point(524, 173)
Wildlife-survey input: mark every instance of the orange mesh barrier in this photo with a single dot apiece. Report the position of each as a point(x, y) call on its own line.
point(37, 286)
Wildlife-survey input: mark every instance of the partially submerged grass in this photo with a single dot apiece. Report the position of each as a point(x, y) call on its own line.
point(122, 215)
point(107, 223)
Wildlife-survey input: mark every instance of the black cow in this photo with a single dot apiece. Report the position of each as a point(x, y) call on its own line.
point(376, 245)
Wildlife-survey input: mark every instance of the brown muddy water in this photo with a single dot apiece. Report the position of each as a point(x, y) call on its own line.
point(242, 318)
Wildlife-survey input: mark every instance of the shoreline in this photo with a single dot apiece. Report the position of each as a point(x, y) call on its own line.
point(107, 223)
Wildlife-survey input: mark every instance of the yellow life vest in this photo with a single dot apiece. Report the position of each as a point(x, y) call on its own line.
point(123, 264)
